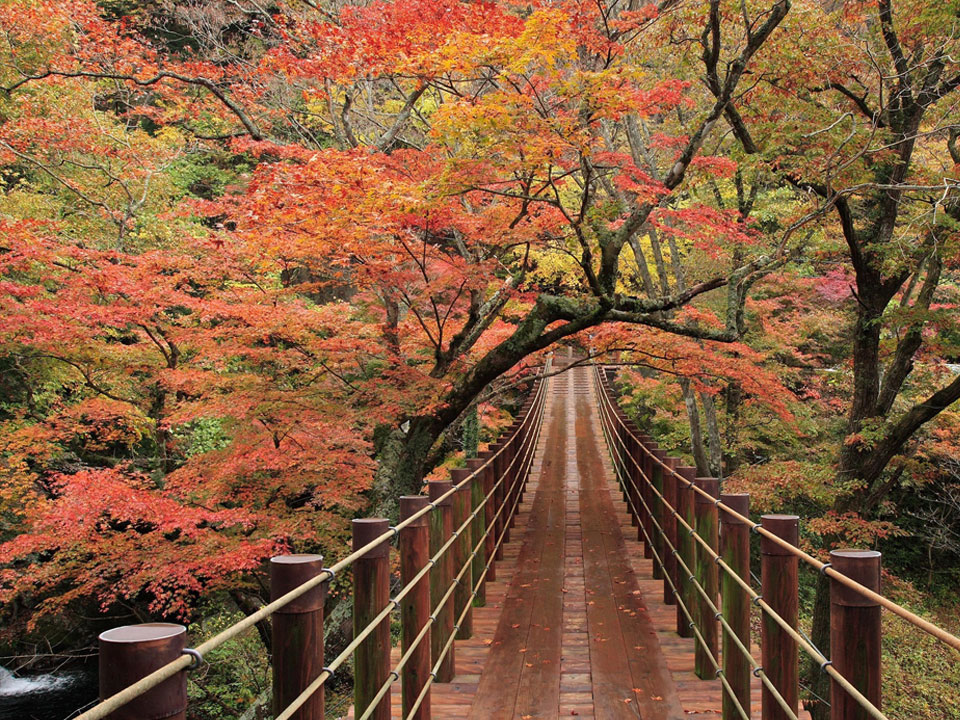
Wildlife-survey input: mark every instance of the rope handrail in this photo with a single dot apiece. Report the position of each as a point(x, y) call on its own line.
point(808, 647)
point(914, 619)
point(446, 648)
point(758, 670)
point(393, 603)
point(153, 679)
point(528, 452)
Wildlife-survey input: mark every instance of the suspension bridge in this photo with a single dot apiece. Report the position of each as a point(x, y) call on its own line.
point(573, 569)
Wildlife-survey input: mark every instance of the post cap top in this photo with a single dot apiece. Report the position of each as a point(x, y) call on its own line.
point(412, 504)
point(438, 488)
point(785, 527)
point(144, 632)
point(366, 530)
point(863, 566)
point(296, 559)
point(855, 554)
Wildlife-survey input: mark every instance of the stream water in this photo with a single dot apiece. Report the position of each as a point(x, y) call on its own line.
point(45, 697)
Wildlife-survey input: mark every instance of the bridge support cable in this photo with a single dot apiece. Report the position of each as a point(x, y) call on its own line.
point(438, 605)
point(500, 540)
point(659, 559)
point(512, 460)
point(775, 544)
point(939, 633)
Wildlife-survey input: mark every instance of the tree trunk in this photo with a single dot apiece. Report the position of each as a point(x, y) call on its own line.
point(696, 435)
point(817, 680)
point(402, 455)
point(715, 445)
point(470, 432)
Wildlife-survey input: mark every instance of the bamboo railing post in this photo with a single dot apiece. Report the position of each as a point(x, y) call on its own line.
point(499, 495)
point(670, 531)
point(131, 652)
point(707, 527)
point(441, 576)
point(735, 551)
point(476, 531)
point(371, 594)
point(414, 549)
point(686, 549)
point(855, 633)
point(778, 577)
point(489, 510)
point(461, 553)
point(297, 633)
point(656, 505)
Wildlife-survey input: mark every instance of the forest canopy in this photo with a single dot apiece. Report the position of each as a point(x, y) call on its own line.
point(262, 263)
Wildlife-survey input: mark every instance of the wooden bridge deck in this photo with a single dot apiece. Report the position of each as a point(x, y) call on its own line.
point(574, 623)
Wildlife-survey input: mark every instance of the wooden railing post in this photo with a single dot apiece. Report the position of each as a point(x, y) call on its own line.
point(371, 594)
point(499, 498)
point(513, 476)
point(646, 520)
point(735, 551)
point(476, 531)
point(670, 531)
point(461, 553)
point(632, 489)
point(441, 576)
point(855, 633)
point(707, 527)
point(686, 549)
point(778, 571)
point(414, 549)
point(131, 652)
point(489, 510)
point(657, 506)
point(643, 523)
point(624, 448)
point(526, 457)
point(297, 633)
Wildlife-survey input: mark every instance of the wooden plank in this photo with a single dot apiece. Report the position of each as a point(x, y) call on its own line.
point(535, 588)
point(629, 672)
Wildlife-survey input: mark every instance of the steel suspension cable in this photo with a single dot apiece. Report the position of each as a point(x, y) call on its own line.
point(401, 663)
point(146, 683)
point(914, 619)
point(329, 670)
point(446, 649)
point(758, 600)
